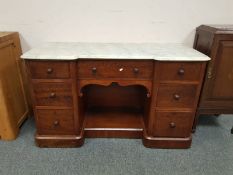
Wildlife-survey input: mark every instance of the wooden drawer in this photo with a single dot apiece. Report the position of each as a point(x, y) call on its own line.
point(49, 69)
point(52, 122)
point(172, 124)
point(176, 95)
point(179, 71)
point(115, 69)
point(53, 94)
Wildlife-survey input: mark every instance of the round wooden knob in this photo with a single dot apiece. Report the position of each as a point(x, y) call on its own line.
point(56, 123)
point(94, 70)
point(176, 96)
point(172, 125)
point(136, 70)
point(49, 70)
point(181, 71)
point(52, 95)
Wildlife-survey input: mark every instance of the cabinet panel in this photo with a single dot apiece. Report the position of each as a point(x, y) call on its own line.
point(217, 94)
point(11, 85)
point(222, 81)
point(13, 103)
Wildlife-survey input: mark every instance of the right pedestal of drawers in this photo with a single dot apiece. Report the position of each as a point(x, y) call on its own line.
point(175, 96)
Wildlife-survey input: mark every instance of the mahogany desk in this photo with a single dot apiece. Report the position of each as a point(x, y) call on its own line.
point(93, 90)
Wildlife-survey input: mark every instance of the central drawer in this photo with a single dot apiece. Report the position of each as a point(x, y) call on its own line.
point(115, 69)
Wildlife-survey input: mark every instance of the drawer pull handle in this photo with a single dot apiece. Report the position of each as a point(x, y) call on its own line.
point(56, 123)
point(94, 70)
point(49, 70)
point(176, 97)
point(52, 95)
point(181, 71)
point(136, 70)
point(209, 73)
point(172, 125)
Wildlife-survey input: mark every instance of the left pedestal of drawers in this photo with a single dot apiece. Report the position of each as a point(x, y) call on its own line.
point(55, 103)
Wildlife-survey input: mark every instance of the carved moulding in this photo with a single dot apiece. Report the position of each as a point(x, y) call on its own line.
point(145, 83)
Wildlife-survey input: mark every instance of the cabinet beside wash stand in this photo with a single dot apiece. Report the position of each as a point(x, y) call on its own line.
point(104, 95)
point(216, 41)
point(14, 101)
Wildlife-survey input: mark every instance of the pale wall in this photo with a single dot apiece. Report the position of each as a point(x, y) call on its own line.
point(39, 21)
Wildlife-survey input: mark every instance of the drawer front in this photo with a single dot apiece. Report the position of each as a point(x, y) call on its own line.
point(172, 124)
point(179, 71)
point(49, 69)
point(115, 69)
point(176, 96)
point(53, 94)
point(52, 122)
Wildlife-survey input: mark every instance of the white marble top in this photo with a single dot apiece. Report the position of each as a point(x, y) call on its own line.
point(72, 51)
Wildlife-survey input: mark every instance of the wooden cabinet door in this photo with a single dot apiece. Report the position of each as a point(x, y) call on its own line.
point(13, 106)
point(218, 89)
